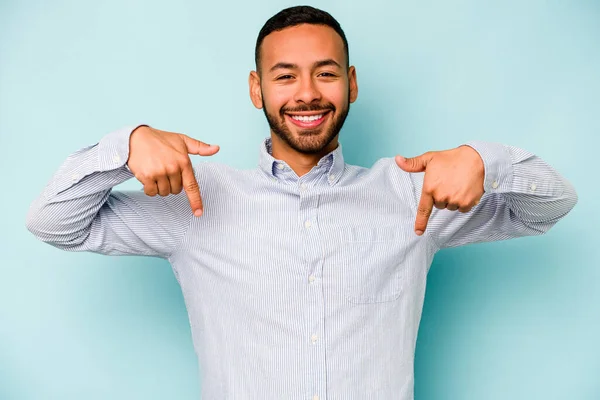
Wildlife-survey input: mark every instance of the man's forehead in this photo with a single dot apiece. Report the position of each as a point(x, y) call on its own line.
point(300, 44)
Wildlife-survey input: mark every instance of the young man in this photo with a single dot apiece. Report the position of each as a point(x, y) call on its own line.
point(303, 278)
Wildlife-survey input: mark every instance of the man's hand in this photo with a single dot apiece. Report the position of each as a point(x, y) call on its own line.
point(161, 161)
point(453, 180)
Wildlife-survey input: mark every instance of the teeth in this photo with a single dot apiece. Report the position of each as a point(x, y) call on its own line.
point(307, 118)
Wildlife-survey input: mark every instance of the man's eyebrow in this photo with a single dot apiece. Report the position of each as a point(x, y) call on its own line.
point(283, 65)
point(326, 63)
point(317, 64)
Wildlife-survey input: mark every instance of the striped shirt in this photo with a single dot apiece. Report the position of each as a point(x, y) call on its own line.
point(296, 288)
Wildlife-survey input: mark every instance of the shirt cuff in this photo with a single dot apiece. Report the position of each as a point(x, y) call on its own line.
point(498, 166)
point(113, 149)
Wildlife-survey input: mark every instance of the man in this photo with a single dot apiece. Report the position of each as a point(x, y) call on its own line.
point(303, 278)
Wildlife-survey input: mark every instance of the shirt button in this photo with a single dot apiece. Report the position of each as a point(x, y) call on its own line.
point(307, 224)
point(311, 278)
point(116, 159)
point(331, 177)
point(495, 184)
point(314, 338)
point(75, 177)
point(315, 397)
point(280, 166)
point(533, 186)
point(303, 186)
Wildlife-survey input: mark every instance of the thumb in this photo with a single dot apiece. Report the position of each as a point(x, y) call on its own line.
point(195, 146)
point(414, 164)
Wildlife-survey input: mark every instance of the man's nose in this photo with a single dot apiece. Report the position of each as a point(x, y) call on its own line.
point(307, 91)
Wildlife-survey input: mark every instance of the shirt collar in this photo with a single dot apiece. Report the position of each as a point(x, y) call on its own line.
point(331, 164)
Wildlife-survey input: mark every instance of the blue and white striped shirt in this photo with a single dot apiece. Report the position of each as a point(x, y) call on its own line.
point(296, 288)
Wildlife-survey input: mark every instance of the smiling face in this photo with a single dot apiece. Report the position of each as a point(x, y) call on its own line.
point(304, 87)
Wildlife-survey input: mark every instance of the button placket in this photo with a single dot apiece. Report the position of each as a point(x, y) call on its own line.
point(314, 306)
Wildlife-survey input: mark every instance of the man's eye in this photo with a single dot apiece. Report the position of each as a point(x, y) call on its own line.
point(282, 77)
point(327, 74)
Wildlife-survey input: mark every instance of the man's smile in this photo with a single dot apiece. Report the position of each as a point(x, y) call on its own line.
point(308, 119)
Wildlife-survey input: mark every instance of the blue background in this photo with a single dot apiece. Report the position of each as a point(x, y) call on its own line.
point(506, 320)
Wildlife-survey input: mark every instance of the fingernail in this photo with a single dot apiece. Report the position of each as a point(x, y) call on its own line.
point(198, 213)
point(419, 232)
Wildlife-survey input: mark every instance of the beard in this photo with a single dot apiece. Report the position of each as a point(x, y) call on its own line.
point(308, 141)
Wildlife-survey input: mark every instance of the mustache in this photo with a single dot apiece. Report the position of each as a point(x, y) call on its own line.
point(309, 107)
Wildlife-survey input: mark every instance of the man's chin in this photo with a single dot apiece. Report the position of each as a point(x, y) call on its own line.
point(311, 142)
point(306, 133)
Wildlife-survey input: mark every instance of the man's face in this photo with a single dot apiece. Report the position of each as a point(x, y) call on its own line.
point(304, 89)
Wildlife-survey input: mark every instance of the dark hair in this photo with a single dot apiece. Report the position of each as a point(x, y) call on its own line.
point(297, 15)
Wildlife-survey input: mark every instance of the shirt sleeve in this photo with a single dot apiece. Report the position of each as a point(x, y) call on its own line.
point(523, 196)
point(78, 209)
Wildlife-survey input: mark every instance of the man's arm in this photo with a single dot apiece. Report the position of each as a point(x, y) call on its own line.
point(523, 196)
point(79, 211)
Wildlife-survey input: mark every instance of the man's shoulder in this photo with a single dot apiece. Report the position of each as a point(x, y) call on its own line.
point(217, 168)
point(384, 165)
point(217, 173)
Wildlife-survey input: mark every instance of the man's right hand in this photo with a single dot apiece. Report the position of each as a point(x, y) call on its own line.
point(161, 161)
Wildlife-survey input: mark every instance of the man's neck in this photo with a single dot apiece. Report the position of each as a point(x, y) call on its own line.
point(299, 162)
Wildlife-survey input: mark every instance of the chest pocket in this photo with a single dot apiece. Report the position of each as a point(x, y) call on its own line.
point(371, 263)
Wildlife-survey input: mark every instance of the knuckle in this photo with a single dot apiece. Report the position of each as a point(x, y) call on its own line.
point(184, 162)
point(172, 168)
point(163, 187)
point(424, 211)
point(148, 176)
point(191, 186)
point(141, 176)
point(428, 187)
point(162, 191)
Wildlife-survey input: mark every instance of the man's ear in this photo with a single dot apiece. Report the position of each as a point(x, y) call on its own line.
point(254, 86)
point(353, 84)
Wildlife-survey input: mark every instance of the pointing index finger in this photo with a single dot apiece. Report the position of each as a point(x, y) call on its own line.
point(423, 212)
point(192, 190)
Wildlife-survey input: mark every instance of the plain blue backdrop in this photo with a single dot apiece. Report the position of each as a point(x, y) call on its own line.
point(507, 320)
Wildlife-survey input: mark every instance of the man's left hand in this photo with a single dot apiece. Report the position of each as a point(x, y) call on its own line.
point(453, 180)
